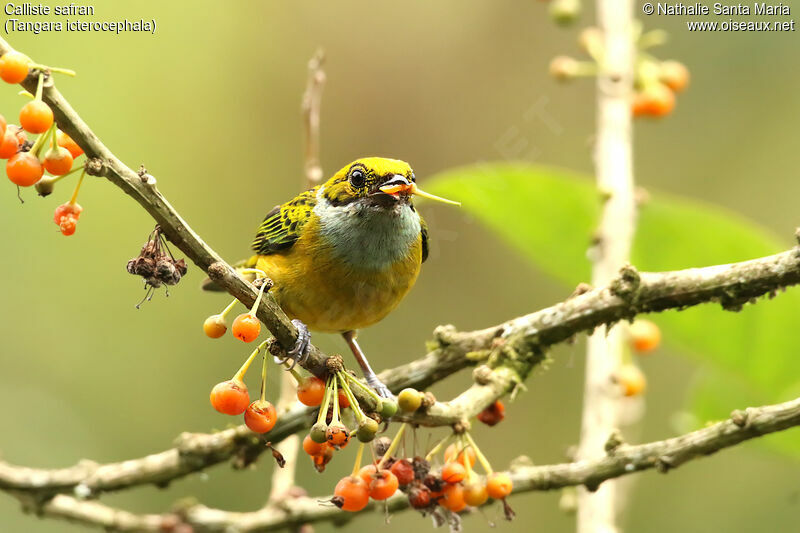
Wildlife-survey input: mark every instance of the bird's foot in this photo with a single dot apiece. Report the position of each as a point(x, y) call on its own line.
point(378, 386)
point(299, 352)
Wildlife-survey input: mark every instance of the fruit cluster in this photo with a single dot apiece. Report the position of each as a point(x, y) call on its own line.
point(246, 327)
point(156, 264)
point(655, 82)
point(454, 485)
point(52, 151)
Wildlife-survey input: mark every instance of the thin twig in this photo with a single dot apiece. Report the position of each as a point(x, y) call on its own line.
point(310, 106)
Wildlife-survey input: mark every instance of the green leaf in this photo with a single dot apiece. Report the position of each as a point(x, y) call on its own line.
point(549, 215)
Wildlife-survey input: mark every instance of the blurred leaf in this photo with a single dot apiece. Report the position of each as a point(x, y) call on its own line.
point(549, 215)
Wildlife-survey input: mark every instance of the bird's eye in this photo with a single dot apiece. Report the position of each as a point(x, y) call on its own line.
point(357, 178)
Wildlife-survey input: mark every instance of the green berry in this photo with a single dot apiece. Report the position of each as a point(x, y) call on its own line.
point(318, 432)
point(387, 408)
point(367, 430)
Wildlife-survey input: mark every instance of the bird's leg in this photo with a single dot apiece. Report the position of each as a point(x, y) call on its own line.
point(372, 379)
point(299, 352)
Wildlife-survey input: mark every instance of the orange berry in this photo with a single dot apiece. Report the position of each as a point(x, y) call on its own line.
point(403, 471)
point(674, 75)
point(367, 472)
point(67, 210)
point(246, 327)
point(475, 494)
point(494, 414)
point(453, 472)
point(343, 400)
point(631, 379)
point(453, 498)
point(657, 101)
point(14, 67)
point(322, 459)
point(311, 391)
point(215, 326)
point(498, 485)
point(2, 126)
point(36, 117)
point(464, 455)
point(313, 448)
point(351, 494)
point(230, 397)
point(9, 144)
point(24, 169)
point(57, 161)
point(337, 435)
point(66, 141)
point(383, 486)
point(260, 416)
point(645, 336)
point(68, 225)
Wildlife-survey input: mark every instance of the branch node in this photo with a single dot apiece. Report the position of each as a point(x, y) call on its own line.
point(462, 426)
point(428, 400)
point(582, 288)
point(95, 166)
point(664, 464)
point(615, 440)
point(217, 271)
point(444, 335)
point(626, 285)
point(482, 375)
point(334, 364)
point(740, 417)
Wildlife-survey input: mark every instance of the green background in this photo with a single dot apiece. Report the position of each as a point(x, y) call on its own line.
point(210, 104)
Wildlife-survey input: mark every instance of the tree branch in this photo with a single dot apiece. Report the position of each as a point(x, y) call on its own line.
point(663, 455)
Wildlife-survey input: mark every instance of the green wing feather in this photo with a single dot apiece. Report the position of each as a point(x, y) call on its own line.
point(284, 224)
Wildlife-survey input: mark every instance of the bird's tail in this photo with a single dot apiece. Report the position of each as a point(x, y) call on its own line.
point(209, 285)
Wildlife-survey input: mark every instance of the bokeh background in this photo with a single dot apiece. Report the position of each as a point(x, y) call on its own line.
point(210, 104)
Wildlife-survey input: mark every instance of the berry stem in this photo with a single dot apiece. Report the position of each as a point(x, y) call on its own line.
point(393, 446)
point(56, 179)
point(227, 310)
point(326, 401)
point(74, 199)
point(354, 405)
point(264, 378)
point(239, 376)
point(482, 458)
point(258, 299)
point(60, 70)
point(436, 449)
point(357, 464)
point(25, 93)
point(365, 388)
point(335, 393)
point(295, 374)
point(39, 87)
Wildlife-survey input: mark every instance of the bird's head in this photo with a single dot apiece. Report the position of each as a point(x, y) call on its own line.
point(375, 182)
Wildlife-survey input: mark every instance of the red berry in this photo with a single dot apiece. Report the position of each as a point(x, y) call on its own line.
point(337, 435)
point(66, 141)
point(230, 397)
point(14, 67)
point(58, 161)
point(419, 497)
point(383, 486)
point(68, 225)
point(67, 209)
point(464, 455)
point(494, 414)
point(36, 117)
point(2, 126)
point(9, 144)
point(674, 75)
point(351, 494)
point(453, 472)
point(322, 459)
point(657, 101)
point(24, 169)
point(246, 327)
point(310, 391)
point(260, 416)
point(498, 485)
point(343, 400)
point(632, 380)
point(403, 471)
point(453, 498)
point(367, 473)
point(313, 448)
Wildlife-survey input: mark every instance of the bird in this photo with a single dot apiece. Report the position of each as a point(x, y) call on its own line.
point(343, 254)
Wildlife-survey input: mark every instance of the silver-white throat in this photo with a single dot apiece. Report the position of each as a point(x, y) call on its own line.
point(366, 237)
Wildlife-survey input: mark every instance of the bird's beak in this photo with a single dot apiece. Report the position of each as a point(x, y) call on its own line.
point(400, 185)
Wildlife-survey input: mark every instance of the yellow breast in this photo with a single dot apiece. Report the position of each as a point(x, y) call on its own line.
point(314, 284)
